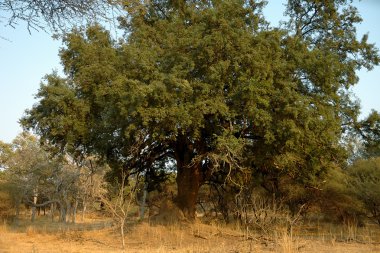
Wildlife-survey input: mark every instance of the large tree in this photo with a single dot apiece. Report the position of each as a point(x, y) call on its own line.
point(211, 87)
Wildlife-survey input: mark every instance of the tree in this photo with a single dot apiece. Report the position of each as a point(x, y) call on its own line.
point(365, 179)
point(210, 87)
point(119, 201)
point(26, 170)
point(339, 199)
point(368, 132)
point(36, 177)
point(40, 15)
point(8, 194)
point(91, 180)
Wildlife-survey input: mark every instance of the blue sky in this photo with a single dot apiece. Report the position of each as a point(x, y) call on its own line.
point(25, 59)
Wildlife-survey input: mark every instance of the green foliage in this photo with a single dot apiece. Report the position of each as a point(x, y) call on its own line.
point(365, 180)
point(32, 175)
point(27, 164)
point(337, 198)
point(209, 85)
point(369, 132)
point(26, 169)
point(5, 152)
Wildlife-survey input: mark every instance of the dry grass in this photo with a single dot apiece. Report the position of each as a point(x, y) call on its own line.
point(95, 236)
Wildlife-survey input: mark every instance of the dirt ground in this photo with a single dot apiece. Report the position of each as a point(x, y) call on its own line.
point(141, 237)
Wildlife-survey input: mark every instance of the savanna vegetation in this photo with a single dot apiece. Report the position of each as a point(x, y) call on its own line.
point(203, 112)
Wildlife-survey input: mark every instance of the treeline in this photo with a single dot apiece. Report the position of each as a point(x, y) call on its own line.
point(40, 179)
point(35, 177)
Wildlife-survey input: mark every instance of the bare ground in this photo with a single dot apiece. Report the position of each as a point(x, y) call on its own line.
point(96, 236)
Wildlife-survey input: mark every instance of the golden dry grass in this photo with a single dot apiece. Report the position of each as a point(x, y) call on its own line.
point(92, 236)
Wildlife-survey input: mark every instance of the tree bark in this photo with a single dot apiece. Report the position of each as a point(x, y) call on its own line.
point(35, 195)
point(143, 201)
point(189, 179)
point(68, 210)
point(75, 207)
point(62, 212)
point(18, 202)
point(122, 223)
point(52, 210)
point(84, 208)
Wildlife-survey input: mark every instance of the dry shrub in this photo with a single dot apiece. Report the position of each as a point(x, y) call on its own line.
point(288, 244)
point(30, 231)
point(3, 227)
point(263, 215)
point(175, 238)
point(168, 214)
point(351, 228)
point(6, 210)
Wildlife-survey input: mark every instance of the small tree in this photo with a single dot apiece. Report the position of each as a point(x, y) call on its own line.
point(26, 169)
point(118, 200)
point(91, 180)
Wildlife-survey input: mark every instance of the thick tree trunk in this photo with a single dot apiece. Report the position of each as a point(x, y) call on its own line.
point(189, 179)
point(189, 176)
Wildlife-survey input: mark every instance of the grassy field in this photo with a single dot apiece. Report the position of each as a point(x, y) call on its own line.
point(97, 235)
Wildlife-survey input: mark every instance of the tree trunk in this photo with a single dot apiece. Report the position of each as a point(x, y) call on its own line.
point(122, 223)
point(143, 201)
point(68, 210)
point(84, 203)
point(34, 206)
point(18, 202)
point(63, 210)
point(62, 213)
point(75, 207)
point(52, 210)
point(189, 179)
point(189, 176)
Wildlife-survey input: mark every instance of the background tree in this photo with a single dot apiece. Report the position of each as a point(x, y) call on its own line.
point(90, 183)
point(57, 14)
point(26, 166)
point(38, 178)
point(365, 179)
point(6, 198)
point(368, 133)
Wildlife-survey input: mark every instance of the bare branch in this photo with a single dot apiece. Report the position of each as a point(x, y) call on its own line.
point(58, 15)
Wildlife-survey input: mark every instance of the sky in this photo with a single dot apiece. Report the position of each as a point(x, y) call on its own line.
point(26, 58)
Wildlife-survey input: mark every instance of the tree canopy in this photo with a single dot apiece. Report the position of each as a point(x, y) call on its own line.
point(212, 88)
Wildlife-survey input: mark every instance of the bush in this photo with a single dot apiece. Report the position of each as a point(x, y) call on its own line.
point(338, 200)
point(365, 180)
point(6, 205)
